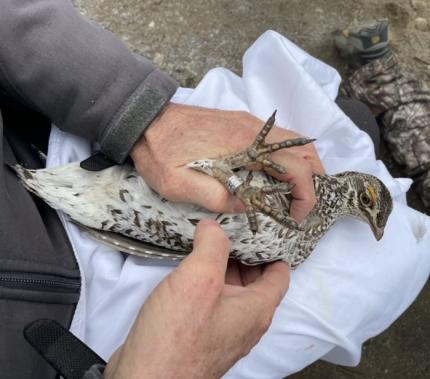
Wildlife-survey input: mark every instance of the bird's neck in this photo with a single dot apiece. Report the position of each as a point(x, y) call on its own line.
point(334, 195)
point(332, 200)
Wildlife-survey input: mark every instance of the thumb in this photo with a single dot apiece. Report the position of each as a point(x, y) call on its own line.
point(208, 193)
point(273, 284)
point(211, 247)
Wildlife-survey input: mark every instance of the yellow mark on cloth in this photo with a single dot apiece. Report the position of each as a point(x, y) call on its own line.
point(372, 192)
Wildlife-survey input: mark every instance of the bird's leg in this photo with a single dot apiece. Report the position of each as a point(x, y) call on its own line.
point(242, 189)
point(249, 209)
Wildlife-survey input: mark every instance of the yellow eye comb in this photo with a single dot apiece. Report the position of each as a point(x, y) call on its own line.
point(372, 193)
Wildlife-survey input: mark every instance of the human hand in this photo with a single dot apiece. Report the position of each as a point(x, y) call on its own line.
point(194, 325)
point(182, 133)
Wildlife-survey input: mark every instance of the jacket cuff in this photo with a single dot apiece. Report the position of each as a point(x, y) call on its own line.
point(136, 114)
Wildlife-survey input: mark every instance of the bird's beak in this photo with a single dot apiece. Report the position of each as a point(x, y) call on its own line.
point(377, 232)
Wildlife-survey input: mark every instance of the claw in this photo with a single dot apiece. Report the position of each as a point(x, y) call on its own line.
point(259, 151)
point(265, 130)
point(270, 148)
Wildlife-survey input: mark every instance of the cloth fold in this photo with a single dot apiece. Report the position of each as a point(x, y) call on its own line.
point(350, 289)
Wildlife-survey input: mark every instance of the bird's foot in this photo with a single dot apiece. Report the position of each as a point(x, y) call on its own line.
point(259, 151)
point(256, 199)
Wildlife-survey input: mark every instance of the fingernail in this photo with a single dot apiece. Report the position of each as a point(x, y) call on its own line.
point(298, 217)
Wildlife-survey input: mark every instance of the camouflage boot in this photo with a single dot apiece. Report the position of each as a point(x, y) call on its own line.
point(360, 44)
point(398, 97)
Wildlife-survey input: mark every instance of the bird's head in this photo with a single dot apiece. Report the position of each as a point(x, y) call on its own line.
point(369, 200)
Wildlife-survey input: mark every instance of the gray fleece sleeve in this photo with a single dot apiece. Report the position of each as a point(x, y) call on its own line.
point(79, 75)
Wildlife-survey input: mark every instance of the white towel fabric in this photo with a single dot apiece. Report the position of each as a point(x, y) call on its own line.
point(350, 289)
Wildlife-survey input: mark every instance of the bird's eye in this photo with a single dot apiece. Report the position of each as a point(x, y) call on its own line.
point(365, 199)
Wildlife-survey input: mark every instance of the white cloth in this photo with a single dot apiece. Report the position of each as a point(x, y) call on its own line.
point(350, 289)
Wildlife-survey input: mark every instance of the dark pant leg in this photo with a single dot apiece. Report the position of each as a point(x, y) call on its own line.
point(361, 116)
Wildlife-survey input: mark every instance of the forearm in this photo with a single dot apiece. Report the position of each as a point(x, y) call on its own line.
point(78, 74)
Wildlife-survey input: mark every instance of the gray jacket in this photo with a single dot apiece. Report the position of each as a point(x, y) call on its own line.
point(67, 70)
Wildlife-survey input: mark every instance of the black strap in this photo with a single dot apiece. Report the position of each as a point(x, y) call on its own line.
point(97, 162)
point(69, 356)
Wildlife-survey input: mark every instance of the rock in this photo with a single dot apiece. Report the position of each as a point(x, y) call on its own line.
point(421, 24)
point(158, 59)
point(397, 14)
point(418, 6)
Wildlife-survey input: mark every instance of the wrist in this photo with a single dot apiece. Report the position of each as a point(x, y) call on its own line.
point(135, 115)
point(137, 147)
point(141, 141)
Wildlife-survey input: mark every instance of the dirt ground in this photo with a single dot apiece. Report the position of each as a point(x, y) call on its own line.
point(187, 38)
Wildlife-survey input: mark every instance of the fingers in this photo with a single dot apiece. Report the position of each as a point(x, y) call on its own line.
point(249, 274)
point(309, 154)
point(299, 172)
point(273, 284)
point(316, 164)
point(208, 193)
point(232, 276)
point(306, 152)
point(239, 274)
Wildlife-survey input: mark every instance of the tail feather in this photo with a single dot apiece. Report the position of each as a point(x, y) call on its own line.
point(44, 183)
point(25, 175)
point(134, 247)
